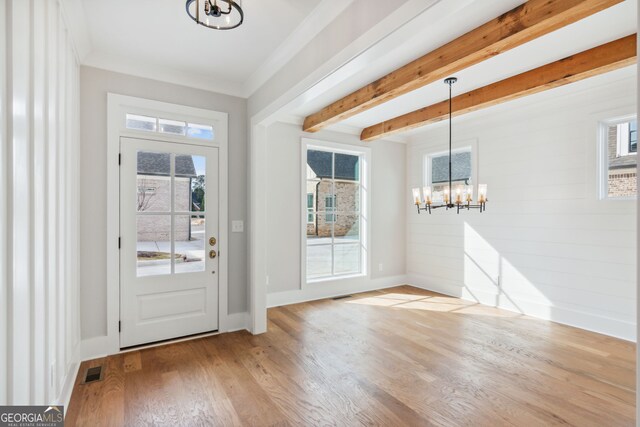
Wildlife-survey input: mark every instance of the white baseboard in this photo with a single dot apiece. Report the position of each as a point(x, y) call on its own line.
point(70, 378)
point(94, 348)
point(237, 322)
point(556, 313)
point(330, 289)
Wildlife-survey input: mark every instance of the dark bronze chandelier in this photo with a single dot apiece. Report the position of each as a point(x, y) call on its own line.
point(464, 194)
point(216, 14)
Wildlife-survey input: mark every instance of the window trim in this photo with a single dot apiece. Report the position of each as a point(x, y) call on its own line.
point(603, 155)
point(365, 208)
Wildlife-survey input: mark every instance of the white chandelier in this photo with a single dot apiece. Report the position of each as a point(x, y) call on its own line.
point(463, 194)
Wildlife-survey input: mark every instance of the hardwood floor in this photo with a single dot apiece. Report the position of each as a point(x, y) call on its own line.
point(401, 356)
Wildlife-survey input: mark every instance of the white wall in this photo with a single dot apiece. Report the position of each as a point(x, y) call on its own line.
point(95, 84)
point(284, 180)
point(546, 246)
point(39, 331)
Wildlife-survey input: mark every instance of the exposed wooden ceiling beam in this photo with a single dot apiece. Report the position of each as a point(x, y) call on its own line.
point(598, 60)
point(526, 22)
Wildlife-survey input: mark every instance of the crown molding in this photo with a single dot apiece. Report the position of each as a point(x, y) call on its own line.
point(144, 69)
point(73, 16)
point(321, 16)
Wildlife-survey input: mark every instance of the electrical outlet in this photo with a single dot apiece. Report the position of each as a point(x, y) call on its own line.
point(237, 226)
point(267, 281)
point(380, 267)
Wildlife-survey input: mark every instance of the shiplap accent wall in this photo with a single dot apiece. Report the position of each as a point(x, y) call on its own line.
point(547, 246)
point(39, 204)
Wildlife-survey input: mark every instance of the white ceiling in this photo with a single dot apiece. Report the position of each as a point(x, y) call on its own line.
point(610, 24)
point(156, 39)
point(158, 34)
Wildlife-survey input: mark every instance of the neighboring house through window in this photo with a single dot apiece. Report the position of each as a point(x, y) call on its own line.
point(437, 171)
point(335, 231)
point(618, 158)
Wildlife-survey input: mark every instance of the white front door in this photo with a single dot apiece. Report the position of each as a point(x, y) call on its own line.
point(169, 229)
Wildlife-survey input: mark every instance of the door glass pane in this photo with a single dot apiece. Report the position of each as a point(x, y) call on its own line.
point(153, 181)
point(153, 245)
point(347, 258)
point(318, 261)
point(189, 243)
point(198, 181)
point(347, 228)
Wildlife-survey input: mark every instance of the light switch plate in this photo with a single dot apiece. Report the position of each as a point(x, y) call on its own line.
point(237, 226)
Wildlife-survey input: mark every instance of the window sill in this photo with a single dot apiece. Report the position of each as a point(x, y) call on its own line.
point(336, 278)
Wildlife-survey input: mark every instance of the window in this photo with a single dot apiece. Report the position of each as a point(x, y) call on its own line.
point(437, 171)
point(200, 131)
point(330, 208)
point(633, 136)
point(141, 122)
point(335, 230)
point(618, 158)
point(310, 208)
point(174, 127)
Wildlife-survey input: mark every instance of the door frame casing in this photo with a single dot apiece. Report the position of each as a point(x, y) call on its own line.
point(117, 108)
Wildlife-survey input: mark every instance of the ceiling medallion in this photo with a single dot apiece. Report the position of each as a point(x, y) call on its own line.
point(216, 14)
point(464, 194)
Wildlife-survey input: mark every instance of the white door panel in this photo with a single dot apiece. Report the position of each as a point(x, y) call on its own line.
point(168, 213)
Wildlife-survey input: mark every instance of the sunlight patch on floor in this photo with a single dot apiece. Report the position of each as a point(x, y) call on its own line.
point(441, 304)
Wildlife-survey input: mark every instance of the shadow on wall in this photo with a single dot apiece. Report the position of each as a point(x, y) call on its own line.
point(488, 272)
point(534, 278)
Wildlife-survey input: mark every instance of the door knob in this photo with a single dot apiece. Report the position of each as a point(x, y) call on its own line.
point(212, 254)
point(212, 241)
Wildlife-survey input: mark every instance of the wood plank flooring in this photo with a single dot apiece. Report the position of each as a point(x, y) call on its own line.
point(402, 356)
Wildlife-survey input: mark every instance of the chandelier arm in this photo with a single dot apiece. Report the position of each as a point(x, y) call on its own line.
point(230, 3)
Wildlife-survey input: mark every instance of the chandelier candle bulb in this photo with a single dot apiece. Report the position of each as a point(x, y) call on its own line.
point(427, 195)
point(416, 196)
point(446, 195)
point(459, 195)
point(469, 194)
point(482, 193)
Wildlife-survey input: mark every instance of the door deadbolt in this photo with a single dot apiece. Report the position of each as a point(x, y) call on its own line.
point(212, 241)
point(212, 254)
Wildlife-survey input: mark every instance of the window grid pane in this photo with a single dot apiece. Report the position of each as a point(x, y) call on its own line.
point(137, 122)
